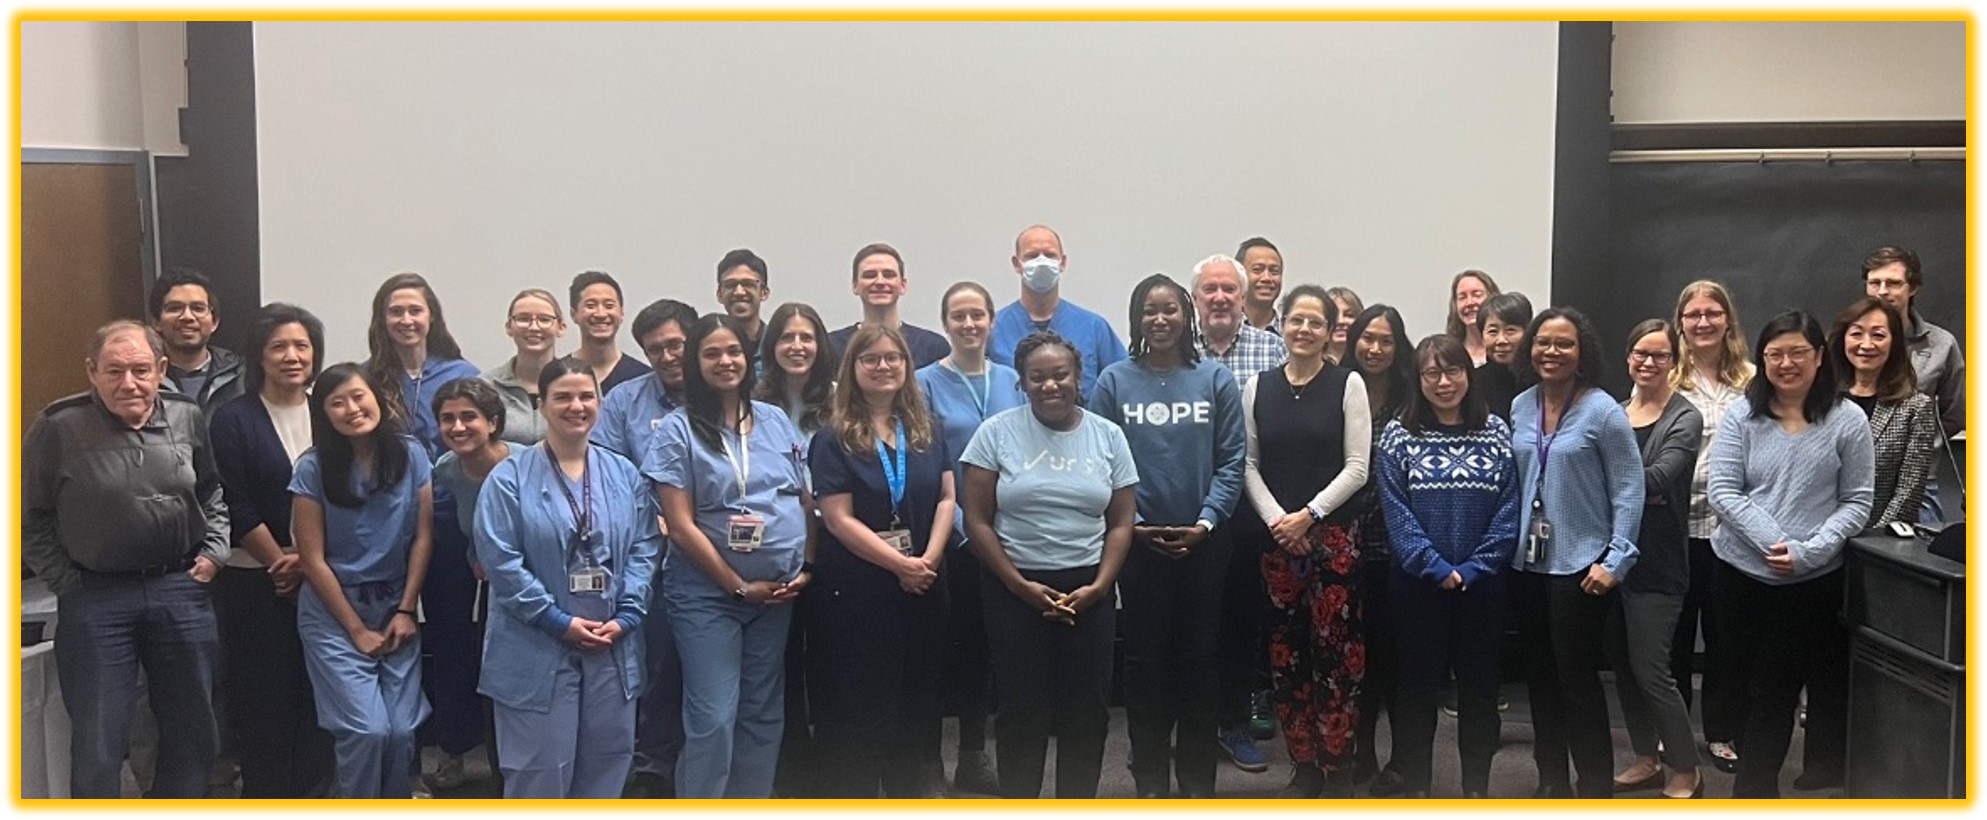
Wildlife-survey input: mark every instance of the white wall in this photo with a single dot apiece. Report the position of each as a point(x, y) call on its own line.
point(103, 85)
point(1788, 72)
point(496, 156)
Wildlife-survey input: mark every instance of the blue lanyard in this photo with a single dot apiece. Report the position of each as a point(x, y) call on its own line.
point(1545, 444)
point(896, 478)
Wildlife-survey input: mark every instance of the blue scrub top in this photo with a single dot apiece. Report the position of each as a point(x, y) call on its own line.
point(630, 415)
point(524, 537)
point(419, 397)
point(369, 543)
point(860, 475)
point(1090, 333)
point(954, 399)
point(676, 457)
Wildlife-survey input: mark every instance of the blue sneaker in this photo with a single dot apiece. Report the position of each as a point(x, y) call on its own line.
point(1242, 750)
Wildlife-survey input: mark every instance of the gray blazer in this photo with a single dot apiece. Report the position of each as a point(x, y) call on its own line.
point(1668, 461)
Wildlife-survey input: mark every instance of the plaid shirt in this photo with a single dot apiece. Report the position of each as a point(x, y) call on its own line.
point(1274, 327)
point(1252, 352)
point(1712, 398)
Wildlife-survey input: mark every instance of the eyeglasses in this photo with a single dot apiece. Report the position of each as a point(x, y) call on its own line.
point(1436, 375)
point(1561, 345)
point(1886, 285)
point(183, 308)
point(541, 320)
point(876, 360)
point(1653, 356)
point(1696, 316)
point(1793, 355)
point(740, 284)
point(1305, 323)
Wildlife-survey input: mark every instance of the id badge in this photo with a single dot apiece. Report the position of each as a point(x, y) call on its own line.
point(899, 540)
point(1538, 540)
point(747, 533)
point(587, 580)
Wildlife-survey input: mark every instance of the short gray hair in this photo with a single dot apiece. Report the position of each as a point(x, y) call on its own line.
point(119, 327)
point(1200, 269)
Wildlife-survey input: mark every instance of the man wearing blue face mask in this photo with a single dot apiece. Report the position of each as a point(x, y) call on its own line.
point(1039, 261)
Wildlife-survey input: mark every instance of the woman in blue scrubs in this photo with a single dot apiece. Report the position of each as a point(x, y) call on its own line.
point(567, 535)
point(361, 515)
point(965, 389)
point(876, 612)
point(728, 479)
point(411, 355)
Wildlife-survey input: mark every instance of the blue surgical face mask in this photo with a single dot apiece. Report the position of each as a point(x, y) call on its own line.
point(1041, 274)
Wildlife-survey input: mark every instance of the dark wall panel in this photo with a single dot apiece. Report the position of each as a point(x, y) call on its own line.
point(1780, 235)
point(208, 218)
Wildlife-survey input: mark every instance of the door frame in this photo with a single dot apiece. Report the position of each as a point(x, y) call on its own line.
point(148, 211)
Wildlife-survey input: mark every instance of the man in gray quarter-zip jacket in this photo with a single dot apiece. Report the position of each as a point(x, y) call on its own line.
point(123, 518)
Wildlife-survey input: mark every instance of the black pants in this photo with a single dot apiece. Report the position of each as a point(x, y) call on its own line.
point(1172, 612)
point(1245, 613)
point(798, 773)
point(1053, 679)
point(968, 670)
point(1380, 690)
point(282, 751)
point(1564, 631)
point(873, 659)
point(451, 639)
point(1439, 631)
point(1791, 635)
point(1724, 703)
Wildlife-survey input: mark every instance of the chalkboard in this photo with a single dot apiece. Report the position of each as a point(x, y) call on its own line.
point(1779, 234)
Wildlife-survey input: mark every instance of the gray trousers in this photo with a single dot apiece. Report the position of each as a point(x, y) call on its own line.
point(1640, 627)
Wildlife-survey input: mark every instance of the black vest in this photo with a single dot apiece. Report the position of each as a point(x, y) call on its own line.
point(1300, 438)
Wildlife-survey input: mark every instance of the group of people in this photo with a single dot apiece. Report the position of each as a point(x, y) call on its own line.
point(770, 557)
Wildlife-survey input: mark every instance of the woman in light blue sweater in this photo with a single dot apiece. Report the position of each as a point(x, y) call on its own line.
point(1449, 490)
point(1182, 416)
point(1792, 477)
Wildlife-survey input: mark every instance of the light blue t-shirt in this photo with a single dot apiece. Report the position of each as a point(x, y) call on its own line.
point(456, 482)
point(630, 415)
point(369, 543)
point(1185, 425)
point(1054, 486)
point(960, 404)
point(1093, 337)
point(677, 458)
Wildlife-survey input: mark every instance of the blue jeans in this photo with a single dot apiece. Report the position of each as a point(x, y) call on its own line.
point(108, 629)
point(734, 687)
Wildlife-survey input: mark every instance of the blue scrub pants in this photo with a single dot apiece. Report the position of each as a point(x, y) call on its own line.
point(582, 746)
point(106, 631)
point(370, 706)
point(734, 687)
point(453, 638)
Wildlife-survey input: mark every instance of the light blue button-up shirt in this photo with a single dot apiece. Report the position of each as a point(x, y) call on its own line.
point(1593, 487)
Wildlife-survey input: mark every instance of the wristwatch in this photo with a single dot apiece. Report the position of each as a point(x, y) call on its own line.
point(738, 594)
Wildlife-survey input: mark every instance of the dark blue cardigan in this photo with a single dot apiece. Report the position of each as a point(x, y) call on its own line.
point(255, 470)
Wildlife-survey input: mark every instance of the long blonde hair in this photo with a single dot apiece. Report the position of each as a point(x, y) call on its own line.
point(1735, 365)
point(848, 411)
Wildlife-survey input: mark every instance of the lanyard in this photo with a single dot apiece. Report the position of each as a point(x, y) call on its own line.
point(896, 478)
point(741, 463)
point(581, 508)
point(980, 397)
point(1545, 447)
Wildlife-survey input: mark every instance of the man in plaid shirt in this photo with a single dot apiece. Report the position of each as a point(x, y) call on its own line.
point(1217, 285)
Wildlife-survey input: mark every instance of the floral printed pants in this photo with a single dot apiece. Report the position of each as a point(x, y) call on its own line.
point(1317, 656)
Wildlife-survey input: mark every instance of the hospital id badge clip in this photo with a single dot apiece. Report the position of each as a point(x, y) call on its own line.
point(588, 579)
point(899, 540)
point(1537, 540)
point(747, 532)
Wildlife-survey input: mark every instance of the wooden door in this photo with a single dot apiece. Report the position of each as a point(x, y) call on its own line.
point(81, 266)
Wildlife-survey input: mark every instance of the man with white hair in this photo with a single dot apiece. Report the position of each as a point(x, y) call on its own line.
point(122, 516)
point(1224, 335)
